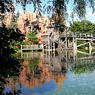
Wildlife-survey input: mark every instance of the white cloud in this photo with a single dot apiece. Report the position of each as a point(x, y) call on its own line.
point(20, 11)
point(87, 14)
point(90, 14)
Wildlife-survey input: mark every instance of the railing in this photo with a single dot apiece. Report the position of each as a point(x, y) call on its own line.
point(77, 35)
point(83, 35)
point(27, 55)
point(31, 47)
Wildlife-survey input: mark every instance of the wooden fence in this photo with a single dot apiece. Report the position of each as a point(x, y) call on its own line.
point(31, 47)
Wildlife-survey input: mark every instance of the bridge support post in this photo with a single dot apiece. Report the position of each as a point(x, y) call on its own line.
point(74, 44)
point(21, 48)
point(53, 46)
point(90, 48)
point(75, 48)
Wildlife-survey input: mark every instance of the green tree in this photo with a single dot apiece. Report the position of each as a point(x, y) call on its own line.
point(32, 37)
point(83, 26)
point(7, 35)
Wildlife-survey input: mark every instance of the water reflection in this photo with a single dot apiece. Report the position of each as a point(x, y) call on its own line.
point(42, 73)
point(46, 68)
point(9, 67)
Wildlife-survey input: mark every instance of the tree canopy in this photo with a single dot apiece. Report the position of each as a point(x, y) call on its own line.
point(58, 6)
point(83, 26)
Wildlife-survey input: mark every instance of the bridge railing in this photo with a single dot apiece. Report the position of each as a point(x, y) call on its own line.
point(83, 35)
point(31, 47)
point(77, 34)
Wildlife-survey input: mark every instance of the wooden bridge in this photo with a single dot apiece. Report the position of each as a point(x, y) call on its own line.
point(66, 40)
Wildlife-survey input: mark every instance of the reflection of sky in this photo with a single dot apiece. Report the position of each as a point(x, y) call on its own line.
point(7, 90)
point(83, 84)
point(48, 86)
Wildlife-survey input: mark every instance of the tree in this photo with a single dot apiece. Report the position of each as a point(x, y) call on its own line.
point(9, 64)
point(7, 35)
point(83, 26)
point(32, 37)
point(79, 6)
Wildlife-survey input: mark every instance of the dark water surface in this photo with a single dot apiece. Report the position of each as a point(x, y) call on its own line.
point(61, 73)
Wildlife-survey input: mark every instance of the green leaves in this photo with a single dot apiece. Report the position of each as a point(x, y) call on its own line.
point(7, 37)
point(83, 26)
point(32, 37)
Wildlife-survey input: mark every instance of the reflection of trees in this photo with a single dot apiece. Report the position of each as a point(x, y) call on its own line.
point(34, 74)
point(9, 67)
point(33, 64)
point(85, 67)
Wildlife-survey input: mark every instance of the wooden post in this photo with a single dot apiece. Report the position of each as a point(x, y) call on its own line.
point(74, 44)
point(53, 45)
point(90, 48)
point(75, 48)
point(21, 48)
point(68, 43)
point(42, 47)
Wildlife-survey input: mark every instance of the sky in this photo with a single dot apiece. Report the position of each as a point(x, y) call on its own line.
point(89, 16)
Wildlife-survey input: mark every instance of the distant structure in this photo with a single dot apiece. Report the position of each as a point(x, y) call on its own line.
point(33, 21)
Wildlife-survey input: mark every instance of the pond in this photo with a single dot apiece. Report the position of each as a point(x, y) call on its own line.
point(53, 73)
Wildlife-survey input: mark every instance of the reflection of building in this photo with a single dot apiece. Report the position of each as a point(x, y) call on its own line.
point(44, 73)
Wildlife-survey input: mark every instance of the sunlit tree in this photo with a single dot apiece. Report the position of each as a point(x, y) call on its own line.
point(83, 26)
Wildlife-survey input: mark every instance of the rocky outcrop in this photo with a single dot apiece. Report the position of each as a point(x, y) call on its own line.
point(7, 18)
point(33, 19)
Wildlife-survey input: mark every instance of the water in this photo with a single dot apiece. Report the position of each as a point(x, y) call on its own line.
point(61, 73)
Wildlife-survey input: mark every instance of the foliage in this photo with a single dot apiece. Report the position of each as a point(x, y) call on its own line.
point(8, 62)
point(58, 6)
point(32, 37)
point(6, 6)
point(59, 21)
point(83, 26)
point(7, 36)
point(9, 67)
point(79, 6)
point(81, 42)
point(83, 68)
point(14, 20)
point(25, 42)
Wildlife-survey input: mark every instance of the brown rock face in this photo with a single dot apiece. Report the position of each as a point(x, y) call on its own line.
point(7, 19)
point(33, 19)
